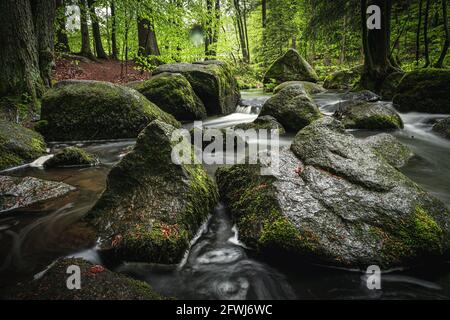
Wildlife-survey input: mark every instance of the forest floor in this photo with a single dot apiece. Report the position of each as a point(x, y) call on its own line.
point(102, 70)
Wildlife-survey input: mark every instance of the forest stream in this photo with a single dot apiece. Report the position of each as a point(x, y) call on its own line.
point(218, 265)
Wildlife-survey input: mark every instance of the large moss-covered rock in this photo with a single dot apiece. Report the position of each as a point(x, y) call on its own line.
point(310, 87)
point(290, 67)
point(365, 95)
point(152, 207)
point(97, 283)
point(336, 201)
point(90, 110)
point(18, 145)
point(18, 192)
point(292, 107)
point(390, 85)
point(443, 127)
point(392, 150)
point(71, 157)
point(212, 81)
point(343, 79)
point(262, 122)
point(424, 90)
point(173, 94)
point(368, 115)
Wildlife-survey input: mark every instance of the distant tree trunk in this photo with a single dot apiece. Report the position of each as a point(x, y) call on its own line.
point(147, 42)
point(264, 12)
point(376, 43)
point(241, 31)
point(96, 31)
point(85, 42)
point(344, 41)
point(115, 51)
point(419, 25)
point(425, 34)
point(440, 62)
point(209, 29)
point(19, 57)
point(62, 41)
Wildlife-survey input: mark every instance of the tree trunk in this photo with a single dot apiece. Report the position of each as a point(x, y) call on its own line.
point(85, 42)
point(62, 41)
point(425, 35)
point(96, 31)
point(148, 44)
point(440, 62)
point(115, 51)
point(241, 32)
point(44, 19)
point(264, 12)
point(419, 24)
point(19, 58)
point(376, 43)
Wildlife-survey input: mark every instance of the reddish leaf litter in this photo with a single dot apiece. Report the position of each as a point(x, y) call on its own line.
point(96, 269)
point(101, 70)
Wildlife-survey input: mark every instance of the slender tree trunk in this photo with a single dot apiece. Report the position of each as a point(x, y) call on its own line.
point(19, 58)
point(344, 41)
point(148, 44)
point(441, 59)
point(425, 34)
point(85, 42)
point(44, 19)
point(241, 31)
point(96, 31)
point(246, 31)
point(419, 28)
point(264, 12)
point(115, 51)
point(62, 40)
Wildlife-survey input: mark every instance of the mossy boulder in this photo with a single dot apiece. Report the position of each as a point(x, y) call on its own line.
point(71, 157)
point(18, 145)
point(92, 110)
point(368, 115)
point(443, 127)
point(208, 136)
point(262, 122)
point(212, 81)
point(425, 90)
point(310, 87)
point(173, 94)
point(392, 150)
point(152, 207)
point(335, 201)
point(364, 95)
point(97, 283)
point(390, 85)
point(290, 67)
point(343, 79)
point(292, 108)
point(19, 192)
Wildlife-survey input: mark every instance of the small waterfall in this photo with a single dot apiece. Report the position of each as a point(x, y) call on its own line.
point(248, 109)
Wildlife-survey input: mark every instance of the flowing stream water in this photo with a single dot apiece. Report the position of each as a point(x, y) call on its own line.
point(218, 266)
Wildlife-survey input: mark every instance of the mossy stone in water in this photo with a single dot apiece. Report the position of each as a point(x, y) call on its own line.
point(310, 87)
point(368, 115)
point(18, 145)
point(425, 90)
point(97, 283)
point(173, 94)
point(152, 207)
point(71, 157)
point(443, 127)
point(262, 122)
point(343, 79)
point(90, 110)
point(290, 67)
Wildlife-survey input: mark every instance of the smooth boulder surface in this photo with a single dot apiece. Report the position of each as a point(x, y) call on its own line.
point(365, 95)
point(292, 108)
point(368, 115)
point(71, 157)
point(443, 127)
point(97, 283)
point(18, 192)
point(425, 90)
point(173, 94)
point(343, 79)
point(95, 110)
point(152, 207)
point(290, 67)
point(18, 145)
point(310, 87)
point(392, 150)
point(262, 122)
point(338, 202)
point(212, 81)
